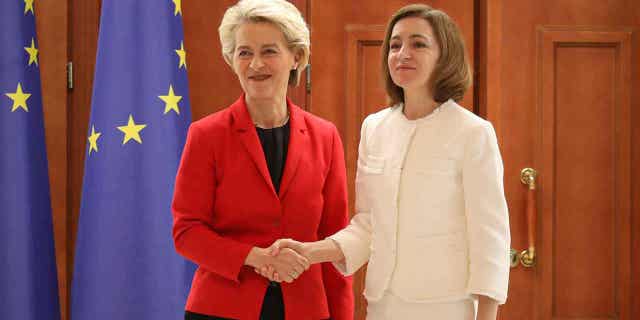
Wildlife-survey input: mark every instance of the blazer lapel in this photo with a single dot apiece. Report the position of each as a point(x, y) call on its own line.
point(298, 142)
point(245, 129)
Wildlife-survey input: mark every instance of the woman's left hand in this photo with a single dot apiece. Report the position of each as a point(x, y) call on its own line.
point(287, 265)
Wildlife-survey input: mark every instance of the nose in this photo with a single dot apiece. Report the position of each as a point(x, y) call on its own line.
point(404, 53)
point(256, 63)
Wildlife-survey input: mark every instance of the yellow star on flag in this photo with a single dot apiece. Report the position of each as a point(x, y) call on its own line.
point(132, 131)
point(33, 52)
point(178, 8)
point(28, 6)
point(19, 99)
point(171, 101)
point(93, 140)
point(183, 55)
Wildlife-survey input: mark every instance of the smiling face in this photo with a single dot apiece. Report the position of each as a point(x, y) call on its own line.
point(262, 61)
point(413, 54)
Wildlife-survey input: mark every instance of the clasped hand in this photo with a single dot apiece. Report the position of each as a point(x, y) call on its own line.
point(287, 260)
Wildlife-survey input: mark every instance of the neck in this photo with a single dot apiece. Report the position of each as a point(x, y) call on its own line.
point(267, 113)
point(418, 103)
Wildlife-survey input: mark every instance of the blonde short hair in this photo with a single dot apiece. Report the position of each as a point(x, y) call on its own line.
point(452, 75)
point(280, 13)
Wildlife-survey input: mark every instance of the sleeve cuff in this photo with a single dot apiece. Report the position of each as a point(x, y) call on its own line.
point(493, 286)
point(355, 254)
point(237, 257)
point(500, 298)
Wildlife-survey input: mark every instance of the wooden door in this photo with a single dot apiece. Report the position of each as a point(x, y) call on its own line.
point(346, 83)
point(557, 80)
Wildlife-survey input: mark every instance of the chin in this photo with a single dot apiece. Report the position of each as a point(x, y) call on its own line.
point(408, 83)
point(259, 94)
point(403, 84)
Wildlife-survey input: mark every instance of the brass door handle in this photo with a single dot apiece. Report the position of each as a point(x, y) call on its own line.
point(528, 177)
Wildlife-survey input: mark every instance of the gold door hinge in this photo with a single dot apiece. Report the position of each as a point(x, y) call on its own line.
point(70, 75)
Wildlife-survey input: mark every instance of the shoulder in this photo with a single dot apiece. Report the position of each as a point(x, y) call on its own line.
point(462, 117)
point(215, 122)
point(374, 119)
point(460, 121)
point(317, 125)
point(477, 134)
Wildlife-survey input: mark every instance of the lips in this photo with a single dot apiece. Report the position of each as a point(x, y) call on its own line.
point(402, 68)
point(259, 77)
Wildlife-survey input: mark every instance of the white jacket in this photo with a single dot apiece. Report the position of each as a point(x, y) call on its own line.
point(456, 241)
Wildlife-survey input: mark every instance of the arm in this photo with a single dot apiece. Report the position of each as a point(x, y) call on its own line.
point(192, 208)
point(335, 217)
point(348, 249)
point(487, 218)
point(354, 241)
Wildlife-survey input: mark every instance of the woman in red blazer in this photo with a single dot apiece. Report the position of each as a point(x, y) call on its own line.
point(261, 170)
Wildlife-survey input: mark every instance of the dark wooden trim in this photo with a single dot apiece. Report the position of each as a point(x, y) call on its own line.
point(488, 55)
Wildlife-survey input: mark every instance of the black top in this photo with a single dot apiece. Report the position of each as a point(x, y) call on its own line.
point(275, 142)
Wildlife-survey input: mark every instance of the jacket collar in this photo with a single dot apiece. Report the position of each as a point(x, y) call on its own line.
point(298, 136)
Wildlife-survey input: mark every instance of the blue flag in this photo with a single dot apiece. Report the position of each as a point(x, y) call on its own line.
point(126, 266)
point(28, 279)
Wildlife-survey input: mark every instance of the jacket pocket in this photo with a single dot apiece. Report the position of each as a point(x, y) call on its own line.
point(440, 268)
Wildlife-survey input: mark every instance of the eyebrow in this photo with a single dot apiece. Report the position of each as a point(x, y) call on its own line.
point(269, 45)
point(415, 35)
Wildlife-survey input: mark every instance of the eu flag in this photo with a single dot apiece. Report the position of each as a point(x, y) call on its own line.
point(126, 266)
point(28, 280)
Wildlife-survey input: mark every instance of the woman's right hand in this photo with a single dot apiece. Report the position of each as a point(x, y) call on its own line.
point(285, 265)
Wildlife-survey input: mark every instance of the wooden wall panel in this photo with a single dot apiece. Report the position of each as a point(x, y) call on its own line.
point(51, 27)
point(84, 21)
point(635, 163)
point(212, 84)
point(584, 231)
point(364, 83)
point(585, 253)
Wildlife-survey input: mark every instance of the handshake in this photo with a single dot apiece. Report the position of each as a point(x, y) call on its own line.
point(287, 259)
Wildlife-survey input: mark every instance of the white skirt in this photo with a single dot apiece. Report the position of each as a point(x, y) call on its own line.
point(391, 307)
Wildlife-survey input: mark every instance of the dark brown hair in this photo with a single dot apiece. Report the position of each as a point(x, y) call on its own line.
point(452, 74)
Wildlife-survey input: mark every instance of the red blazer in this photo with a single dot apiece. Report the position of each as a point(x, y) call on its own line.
point(225, 204)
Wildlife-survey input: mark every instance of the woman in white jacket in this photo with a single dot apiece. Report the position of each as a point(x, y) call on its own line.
point(431, 216)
